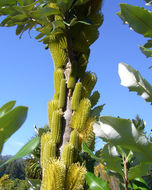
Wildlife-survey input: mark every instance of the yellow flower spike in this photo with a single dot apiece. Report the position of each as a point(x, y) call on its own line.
point(58, 53)
point(52, 106)
point(80, 117)
point(88, 81)
point(94, 98)
point(62, 93)
point(75, 178)
point(58, 76)
point(87, 135)
point(54, 175)
point(49, 151)
point(56, 126)
point(76, 96)
point(72, 77)
point(74, 138)
point(67, 154)
point(45, 138)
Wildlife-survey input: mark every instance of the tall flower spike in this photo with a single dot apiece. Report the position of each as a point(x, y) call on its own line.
point(58, 52)
point(53, 175)
point(62, 93)
point(87, 135)
point(52, 106)
point(94, 98)
point(75, 178)
point(56, 127)
point(74, 138)
point(58, 76)
point(72, 77)
point(49, 151)
point(76, 96)
point(88, 81)
point(80, 117)
point(45, 138)
point(67, 154)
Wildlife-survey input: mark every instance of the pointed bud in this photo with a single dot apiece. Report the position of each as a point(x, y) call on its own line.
point(74, 138)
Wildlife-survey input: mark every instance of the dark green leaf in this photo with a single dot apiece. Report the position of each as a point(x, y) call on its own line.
point(7, 107)
point(19, 29)
point(25, 150)
point(140, 184)
point(138, 18)
point(147, 52)
point(96, 111)
point(96, 183)
point(43, 12)
point(19, 17)
point(148, 44)
point(20, 2)
point(11, 122)
point(87, 150)
point(7, 2)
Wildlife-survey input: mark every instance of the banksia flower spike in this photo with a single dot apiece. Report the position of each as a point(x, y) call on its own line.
point(58, 53)
point(75, 178)
point(58, 76)
point(52, 106)
point(88, 81)
point(72, 76)
point(62, 93)
point(67, 154)
point(80, 117)
point(45, 138)
point(76, 96)
point(87, 135)
point(56, 127)
point(53, 175)
point(74, 138)
point(94, 98)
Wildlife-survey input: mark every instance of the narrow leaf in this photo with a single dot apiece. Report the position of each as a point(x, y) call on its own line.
point(25, 150)
point(146, 51)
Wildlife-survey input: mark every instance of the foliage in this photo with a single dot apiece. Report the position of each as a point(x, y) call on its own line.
point(140, 20)
point(11, 120)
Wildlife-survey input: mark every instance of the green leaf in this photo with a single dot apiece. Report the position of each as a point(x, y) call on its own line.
point(43, 12)
point(58, 24)
point(19, 17)
point(140, 184)
point(111, 158)
point(148, 44)
point(139, 170)
point(147, 52)
point(96, 111)
point(7, 2)
point(132, 79)
point(96, 183)
point(11, 122)
point(87, 150)
point(7, 107)
point(138, 18)
point(25, 150)
point(122, 132)
point(65, 5)
point(19, 29)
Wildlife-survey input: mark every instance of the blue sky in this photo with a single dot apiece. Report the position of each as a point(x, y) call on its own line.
point(26, 73)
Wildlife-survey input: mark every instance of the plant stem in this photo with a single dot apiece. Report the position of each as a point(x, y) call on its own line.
point(126, 173)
